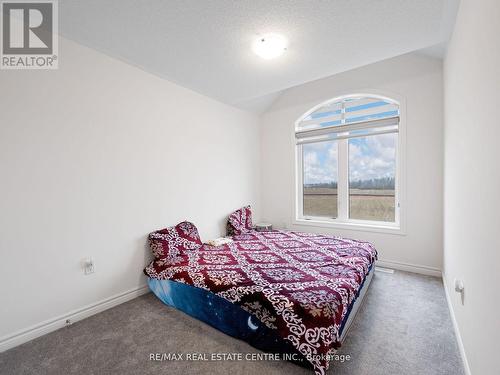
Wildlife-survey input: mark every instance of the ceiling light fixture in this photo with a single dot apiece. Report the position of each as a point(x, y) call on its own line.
point(270, 46)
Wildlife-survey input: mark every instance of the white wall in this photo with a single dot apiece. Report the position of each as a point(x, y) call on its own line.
point(417, 80)
point(472, 180)
point(94, 156)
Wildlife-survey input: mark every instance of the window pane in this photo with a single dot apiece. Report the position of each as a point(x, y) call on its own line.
point(320, 179)
point(364, 109)
point(327, 115)
point(372, 174)
point(347, 111)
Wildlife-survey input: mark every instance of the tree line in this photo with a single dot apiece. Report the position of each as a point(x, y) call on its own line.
point(383, 183)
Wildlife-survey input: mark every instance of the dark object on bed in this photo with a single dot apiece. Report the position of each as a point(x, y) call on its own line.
point(240, 221)
point(172, 241)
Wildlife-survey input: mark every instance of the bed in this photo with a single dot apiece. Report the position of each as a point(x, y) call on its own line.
point(284, 292)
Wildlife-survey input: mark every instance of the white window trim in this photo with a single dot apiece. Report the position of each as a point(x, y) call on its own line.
point(342, 221)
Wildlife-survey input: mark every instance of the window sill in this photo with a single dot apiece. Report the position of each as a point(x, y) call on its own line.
point(363, 227)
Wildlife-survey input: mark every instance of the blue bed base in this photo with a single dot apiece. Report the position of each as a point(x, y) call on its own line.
point(228, 317)
point(224, 316)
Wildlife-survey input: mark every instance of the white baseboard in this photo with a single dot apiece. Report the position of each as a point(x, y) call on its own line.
point(457, 330)
point(37, 330)
point(415, 268)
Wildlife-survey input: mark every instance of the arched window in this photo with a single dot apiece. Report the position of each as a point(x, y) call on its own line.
point(347, 161)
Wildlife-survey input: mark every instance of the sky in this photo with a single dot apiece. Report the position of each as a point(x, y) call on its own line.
point(320, 162)
point(369, 158)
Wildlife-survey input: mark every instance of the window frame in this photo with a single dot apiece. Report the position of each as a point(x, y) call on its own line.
point(343, 221)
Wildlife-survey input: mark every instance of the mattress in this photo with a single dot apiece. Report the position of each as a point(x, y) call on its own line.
point(236, 322)
point(296, 290)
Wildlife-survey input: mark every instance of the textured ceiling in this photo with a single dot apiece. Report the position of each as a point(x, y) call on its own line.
point(206, 45)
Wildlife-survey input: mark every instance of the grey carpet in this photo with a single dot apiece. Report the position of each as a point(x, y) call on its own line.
point(403, 327)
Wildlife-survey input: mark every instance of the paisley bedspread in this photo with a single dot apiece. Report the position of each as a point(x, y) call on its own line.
point(300, 284)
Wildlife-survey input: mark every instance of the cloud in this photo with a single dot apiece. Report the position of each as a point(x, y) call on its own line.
point(369, 158)
point(372, 157)
point(320, 162)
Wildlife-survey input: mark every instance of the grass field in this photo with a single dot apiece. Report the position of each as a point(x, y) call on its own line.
point(364, 204)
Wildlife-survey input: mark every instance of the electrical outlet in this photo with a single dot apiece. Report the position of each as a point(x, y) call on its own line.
point(460, 288)
point(88, 266)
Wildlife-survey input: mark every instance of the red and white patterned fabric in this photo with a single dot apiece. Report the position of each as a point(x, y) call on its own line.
point(240, 221)
point(171, 242)
point(300, 284)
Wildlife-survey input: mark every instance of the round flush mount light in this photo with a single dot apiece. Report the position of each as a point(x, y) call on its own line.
point(270, 46)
